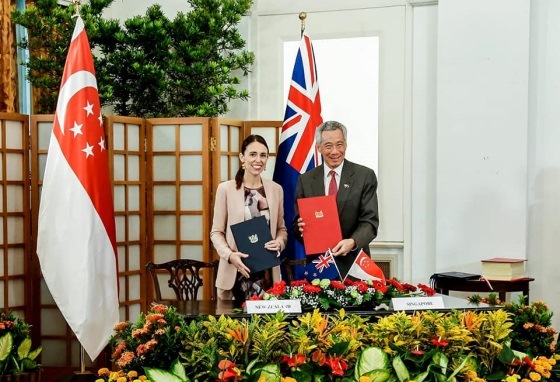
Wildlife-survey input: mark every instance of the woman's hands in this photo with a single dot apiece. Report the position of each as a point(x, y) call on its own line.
point(273, 245)
point(235, 259)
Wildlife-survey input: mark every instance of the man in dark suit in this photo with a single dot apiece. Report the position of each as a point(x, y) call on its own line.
point(355, 187)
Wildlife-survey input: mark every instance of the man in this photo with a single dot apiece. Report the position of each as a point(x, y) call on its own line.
point(355, 187)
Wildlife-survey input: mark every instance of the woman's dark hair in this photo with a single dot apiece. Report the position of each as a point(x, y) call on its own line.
point(250, 139)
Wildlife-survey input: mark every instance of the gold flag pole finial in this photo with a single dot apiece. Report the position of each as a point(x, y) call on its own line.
point(76, 8)
point(302, 17)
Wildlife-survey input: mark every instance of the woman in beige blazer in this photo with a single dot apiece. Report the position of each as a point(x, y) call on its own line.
point(247, 196)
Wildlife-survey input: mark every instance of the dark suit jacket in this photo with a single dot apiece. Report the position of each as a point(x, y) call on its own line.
point(356, 200)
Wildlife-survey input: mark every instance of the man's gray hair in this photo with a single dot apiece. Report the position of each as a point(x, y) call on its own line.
point(328, 126)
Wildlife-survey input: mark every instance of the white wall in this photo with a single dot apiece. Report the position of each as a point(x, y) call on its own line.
point(424, 130)
point(543, 182)
point(482, 111)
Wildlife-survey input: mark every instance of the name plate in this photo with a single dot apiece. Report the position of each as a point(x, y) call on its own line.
point(417, 303)
point(272, 306)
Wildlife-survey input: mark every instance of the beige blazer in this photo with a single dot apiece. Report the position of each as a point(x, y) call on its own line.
point(229, 208)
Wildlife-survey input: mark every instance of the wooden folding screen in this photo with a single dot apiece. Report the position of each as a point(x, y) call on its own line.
point(15, 255)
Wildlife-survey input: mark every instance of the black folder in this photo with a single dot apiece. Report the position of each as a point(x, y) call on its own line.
point(250, 237)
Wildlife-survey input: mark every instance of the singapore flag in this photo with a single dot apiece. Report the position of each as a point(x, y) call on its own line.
point(76, 242)
point(364, 268)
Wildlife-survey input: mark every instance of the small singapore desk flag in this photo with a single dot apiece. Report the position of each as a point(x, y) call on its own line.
point(76, 242)
point(359, 267)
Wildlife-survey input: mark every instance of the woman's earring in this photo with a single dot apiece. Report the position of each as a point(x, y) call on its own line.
point(264, 169)
point(243, 165)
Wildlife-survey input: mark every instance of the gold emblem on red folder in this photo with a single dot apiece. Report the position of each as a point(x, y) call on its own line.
point(319, 214)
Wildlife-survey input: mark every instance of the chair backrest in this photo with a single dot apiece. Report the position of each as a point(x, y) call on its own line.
point(288, 266)
point(184, 277)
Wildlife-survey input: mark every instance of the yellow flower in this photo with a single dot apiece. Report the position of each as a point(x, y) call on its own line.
point(534, 376)
point(287, 379)
point(365, 379)
point(512, 378)
point(132, 374)
point(470, 375)
point(143, 378)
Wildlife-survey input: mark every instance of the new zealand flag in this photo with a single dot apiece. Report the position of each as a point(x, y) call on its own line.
point(297, 152)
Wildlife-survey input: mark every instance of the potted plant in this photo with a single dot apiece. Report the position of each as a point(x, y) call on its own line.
point(146, 66)
point(17, 359)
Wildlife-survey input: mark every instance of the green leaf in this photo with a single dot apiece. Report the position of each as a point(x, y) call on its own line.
point(24, 348)
point(339, 348)
point(178, 369)
point(378, 375)
point(400, 369)
point(32, 355)
point(420, 377)
point(371, 358)
point(6, 343)
point(159, 375)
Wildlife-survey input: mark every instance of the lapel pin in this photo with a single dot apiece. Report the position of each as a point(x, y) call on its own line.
point(346, 185)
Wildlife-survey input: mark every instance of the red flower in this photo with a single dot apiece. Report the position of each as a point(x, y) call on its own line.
point(409, 287)
point(417, 351)
point(361, 286)
point(293, 361)
point(297, 283)
point(226, 364)
point(396, 284)
point(337, 285)
point(278, 288)
point(230, 374)
point(337, 364)
point(310, 288)
point(439, 342)
point(319, 357)
point(516, 362)
point(427, 290)
point(255, 297)
point(229, 371)
point(529, 363)
point(378, 285)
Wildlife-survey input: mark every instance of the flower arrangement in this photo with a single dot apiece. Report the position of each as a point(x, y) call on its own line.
point(314, 346)
point(332, 294)
point(155, 340)
point(16, 356)
point(531, 328)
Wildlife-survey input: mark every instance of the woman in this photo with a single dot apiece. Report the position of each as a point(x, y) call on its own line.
point(248, 196)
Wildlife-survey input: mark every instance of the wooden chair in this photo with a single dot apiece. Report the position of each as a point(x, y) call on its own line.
point(288, 265)
point(184, 277)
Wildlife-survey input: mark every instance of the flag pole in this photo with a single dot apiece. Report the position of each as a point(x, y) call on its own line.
point(302, 17)
point(83, 375)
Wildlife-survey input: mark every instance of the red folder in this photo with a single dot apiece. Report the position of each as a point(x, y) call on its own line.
point(322, 227)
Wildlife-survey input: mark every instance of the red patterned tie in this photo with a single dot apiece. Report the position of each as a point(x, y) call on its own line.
point(332, 185)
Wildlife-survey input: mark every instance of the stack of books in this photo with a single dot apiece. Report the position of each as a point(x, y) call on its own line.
point(503, 268)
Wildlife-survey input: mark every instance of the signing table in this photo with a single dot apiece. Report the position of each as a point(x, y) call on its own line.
point(193, 309)
point(446, 284)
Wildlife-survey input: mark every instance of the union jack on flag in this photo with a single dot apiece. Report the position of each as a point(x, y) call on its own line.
point(323, 261)
point(323, 267)
point(297, 152)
